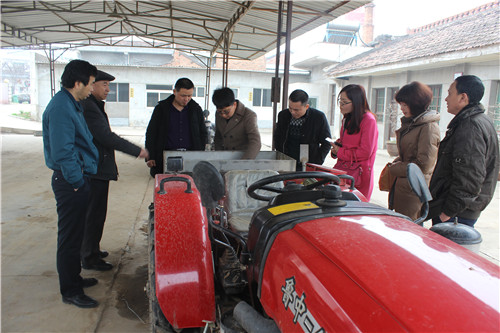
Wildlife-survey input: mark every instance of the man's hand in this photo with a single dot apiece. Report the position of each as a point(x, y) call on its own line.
point(144, 153)
point(151, 163)
point(443, 217)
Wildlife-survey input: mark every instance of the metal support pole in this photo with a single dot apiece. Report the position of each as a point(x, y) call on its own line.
point(207, 81)
point(286, 69)
point(277, 86)
point(52, 70)
point(225, 60)
point(52, 67)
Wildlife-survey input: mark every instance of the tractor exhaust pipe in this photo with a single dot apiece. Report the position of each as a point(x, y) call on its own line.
point(252, 321)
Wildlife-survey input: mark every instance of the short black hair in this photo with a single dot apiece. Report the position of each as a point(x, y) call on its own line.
point(416, 95)
point(223, 97)
point(472, 86)
point(77, 71)
point(299, 95)
point(184, 83)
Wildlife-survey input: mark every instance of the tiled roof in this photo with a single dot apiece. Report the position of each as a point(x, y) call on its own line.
point(476, 29)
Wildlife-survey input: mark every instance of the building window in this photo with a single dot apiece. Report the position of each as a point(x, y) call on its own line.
point(379, 104)
point(235, 91)
point(436, 98)
point(167, 87)
point(118, 92)
point(391, 114)
point(392, 93)
point(261, 97)
point(154, 97)
point(313, 102)
point(199, 92)
point(156, 93)
point(333, 103)
point(494, 108)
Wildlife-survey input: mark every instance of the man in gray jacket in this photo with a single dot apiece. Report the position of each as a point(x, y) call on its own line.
point(466, 171)
point(106, 142)
point(235, 125)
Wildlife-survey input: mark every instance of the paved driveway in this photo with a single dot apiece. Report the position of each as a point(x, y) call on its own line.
point(31, 301)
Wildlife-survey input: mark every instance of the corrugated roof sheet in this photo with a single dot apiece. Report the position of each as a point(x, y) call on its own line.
point(186, 25)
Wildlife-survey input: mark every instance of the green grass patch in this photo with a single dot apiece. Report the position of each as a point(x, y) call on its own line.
point(23, 115)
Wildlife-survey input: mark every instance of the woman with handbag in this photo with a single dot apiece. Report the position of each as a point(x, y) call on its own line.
point(418, 141)
point(357, 146)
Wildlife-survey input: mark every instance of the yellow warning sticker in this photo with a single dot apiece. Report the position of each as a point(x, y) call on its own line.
point(292, 207)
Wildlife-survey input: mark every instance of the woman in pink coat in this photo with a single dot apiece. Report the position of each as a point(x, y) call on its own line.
point(357, 146)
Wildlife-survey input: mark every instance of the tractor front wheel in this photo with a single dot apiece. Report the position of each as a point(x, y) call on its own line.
point(159, 324)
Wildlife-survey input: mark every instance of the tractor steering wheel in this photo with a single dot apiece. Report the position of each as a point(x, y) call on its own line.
point(262, 184)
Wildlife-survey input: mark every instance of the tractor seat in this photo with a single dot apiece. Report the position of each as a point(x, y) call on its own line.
point(239, 206)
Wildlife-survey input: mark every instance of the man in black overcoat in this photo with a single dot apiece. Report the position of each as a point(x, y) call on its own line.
point(106, 142)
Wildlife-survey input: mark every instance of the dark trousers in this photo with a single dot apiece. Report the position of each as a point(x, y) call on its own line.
point(94, 219)
point(71, 207)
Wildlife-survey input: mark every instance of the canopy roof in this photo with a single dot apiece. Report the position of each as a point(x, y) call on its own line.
point(190, 26)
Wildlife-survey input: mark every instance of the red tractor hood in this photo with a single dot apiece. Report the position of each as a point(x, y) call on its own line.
point(376, 273)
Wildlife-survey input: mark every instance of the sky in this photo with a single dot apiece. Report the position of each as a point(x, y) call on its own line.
point(393, 17)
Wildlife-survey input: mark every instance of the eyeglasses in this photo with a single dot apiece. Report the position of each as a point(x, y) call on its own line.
point(342, 103)
point(224, 111)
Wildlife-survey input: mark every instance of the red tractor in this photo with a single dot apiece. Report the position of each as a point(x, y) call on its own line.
point(260, 251)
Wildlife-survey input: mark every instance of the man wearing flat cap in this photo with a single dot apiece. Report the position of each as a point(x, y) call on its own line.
point(106, 142)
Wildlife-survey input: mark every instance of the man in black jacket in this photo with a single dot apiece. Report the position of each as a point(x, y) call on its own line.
point(300, 124)
point(466, 171)
point(106, 142)
point(177, 123)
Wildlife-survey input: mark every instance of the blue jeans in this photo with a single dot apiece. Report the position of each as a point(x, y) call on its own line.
point(469, 222)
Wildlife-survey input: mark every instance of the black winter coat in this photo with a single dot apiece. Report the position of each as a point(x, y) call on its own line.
point(466, 171)
point(314, 131)
point(105, 140)
point(156, 133)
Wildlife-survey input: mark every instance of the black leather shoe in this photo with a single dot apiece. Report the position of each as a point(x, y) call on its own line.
point(103, 254)
point(99, 265)
point(81, 301)
point(89, 282)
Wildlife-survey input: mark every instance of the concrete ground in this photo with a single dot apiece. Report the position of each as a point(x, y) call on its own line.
point(29, 286)
point(30, 296)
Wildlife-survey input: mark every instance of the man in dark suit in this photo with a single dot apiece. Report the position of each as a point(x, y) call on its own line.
point(106, 142)
point(301, 124)
point(177, 123)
